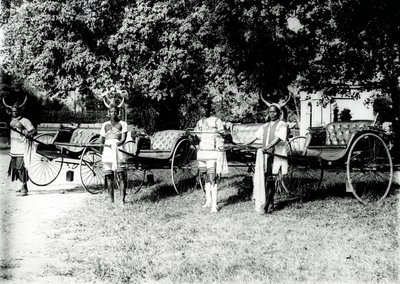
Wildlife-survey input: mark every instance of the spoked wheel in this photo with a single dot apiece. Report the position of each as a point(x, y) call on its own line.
point(303, 175)
point(369, 168)
point(296, 146)
point(91, 170)
point(184, 166)
point(135, 175)
point(136, 178)
point(44, 169)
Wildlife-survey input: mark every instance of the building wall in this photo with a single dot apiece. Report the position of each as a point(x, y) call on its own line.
point(313, 114)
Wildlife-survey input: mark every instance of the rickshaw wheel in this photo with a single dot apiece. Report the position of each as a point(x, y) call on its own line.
point(184, 166)
point(296, 146)
point(302, 176)
point(43, 170)
point(91, 170)
point(135, 176)
point(369, 169)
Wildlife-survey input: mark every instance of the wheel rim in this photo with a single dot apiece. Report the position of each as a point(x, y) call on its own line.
point(184, 166)
point(302, 176)
point(369, 169)
point(91, 171)
point(296, 146)
point(136, 178)
point(43, 170)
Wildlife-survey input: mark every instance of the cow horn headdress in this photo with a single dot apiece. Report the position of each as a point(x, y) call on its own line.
point(112, 102)
point(15, 105)
point(280, 104)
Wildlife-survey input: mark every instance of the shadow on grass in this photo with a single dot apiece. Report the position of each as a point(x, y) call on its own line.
point(336, 191)
point(394, 190)
point(77, 189)
point(329, 191)
point(157, 192)
point(243, 194)
point(160, 191)
point(281, 201)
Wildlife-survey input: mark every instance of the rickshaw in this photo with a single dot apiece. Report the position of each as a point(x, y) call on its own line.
point(168, 149)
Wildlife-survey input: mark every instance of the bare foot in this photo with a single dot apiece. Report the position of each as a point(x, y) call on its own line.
point(214, 209)
point(207, 204)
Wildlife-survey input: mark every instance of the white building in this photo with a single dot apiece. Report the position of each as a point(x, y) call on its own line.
point(313, 113)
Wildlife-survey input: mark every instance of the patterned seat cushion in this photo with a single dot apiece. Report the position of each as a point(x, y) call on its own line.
point(165, 140)
point(340, 133)
point(82, 136)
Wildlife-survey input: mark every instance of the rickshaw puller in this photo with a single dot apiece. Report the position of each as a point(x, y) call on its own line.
point(210, 155)
point(113, 134)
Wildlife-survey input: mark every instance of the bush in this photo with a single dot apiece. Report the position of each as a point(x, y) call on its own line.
point(345, 115)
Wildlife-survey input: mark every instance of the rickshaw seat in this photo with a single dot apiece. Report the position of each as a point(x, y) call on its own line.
point(331, 142)
point(162, 143)
point(245, 133)
point(74, 136)
point(337, 134)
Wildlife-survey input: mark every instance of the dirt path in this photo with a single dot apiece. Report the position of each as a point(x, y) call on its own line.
point(27, 224)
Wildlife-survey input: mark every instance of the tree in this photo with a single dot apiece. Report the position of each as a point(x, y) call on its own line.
point(87, 47)
point(345, 115)
point(14, 90)
point(352, 43)
point(258, 51)
point(175, 53)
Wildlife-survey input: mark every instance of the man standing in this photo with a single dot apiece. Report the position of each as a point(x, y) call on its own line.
point(21, 131)
point(273, 135)
point(113, 134)
point(211, 154)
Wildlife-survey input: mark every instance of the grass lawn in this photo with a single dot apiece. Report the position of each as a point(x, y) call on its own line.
point(163, 237)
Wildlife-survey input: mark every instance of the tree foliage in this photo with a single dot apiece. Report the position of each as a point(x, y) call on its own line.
point(14, 90)
point(169, 56)
point(353, 43)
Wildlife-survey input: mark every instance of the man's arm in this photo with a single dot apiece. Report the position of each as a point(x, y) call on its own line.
point(122, 140)
point(124, 133)
point(31, 133)
point(29, 130)
point(272, 144)
point(281, 135)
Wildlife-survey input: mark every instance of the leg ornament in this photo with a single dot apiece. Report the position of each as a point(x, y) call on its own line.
point(109, 184)
point(208, 195)
point(122, 185)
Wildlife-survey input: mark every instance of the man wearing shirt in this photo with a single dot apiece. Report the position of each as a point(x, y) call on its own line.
point(273, 135)
point(113, 135)
point(20, 144)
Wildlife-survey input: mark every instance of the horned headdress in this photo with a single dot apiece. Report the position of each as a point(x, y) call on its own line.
point(15, 106)
point(280, 104)
point(110, 99)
